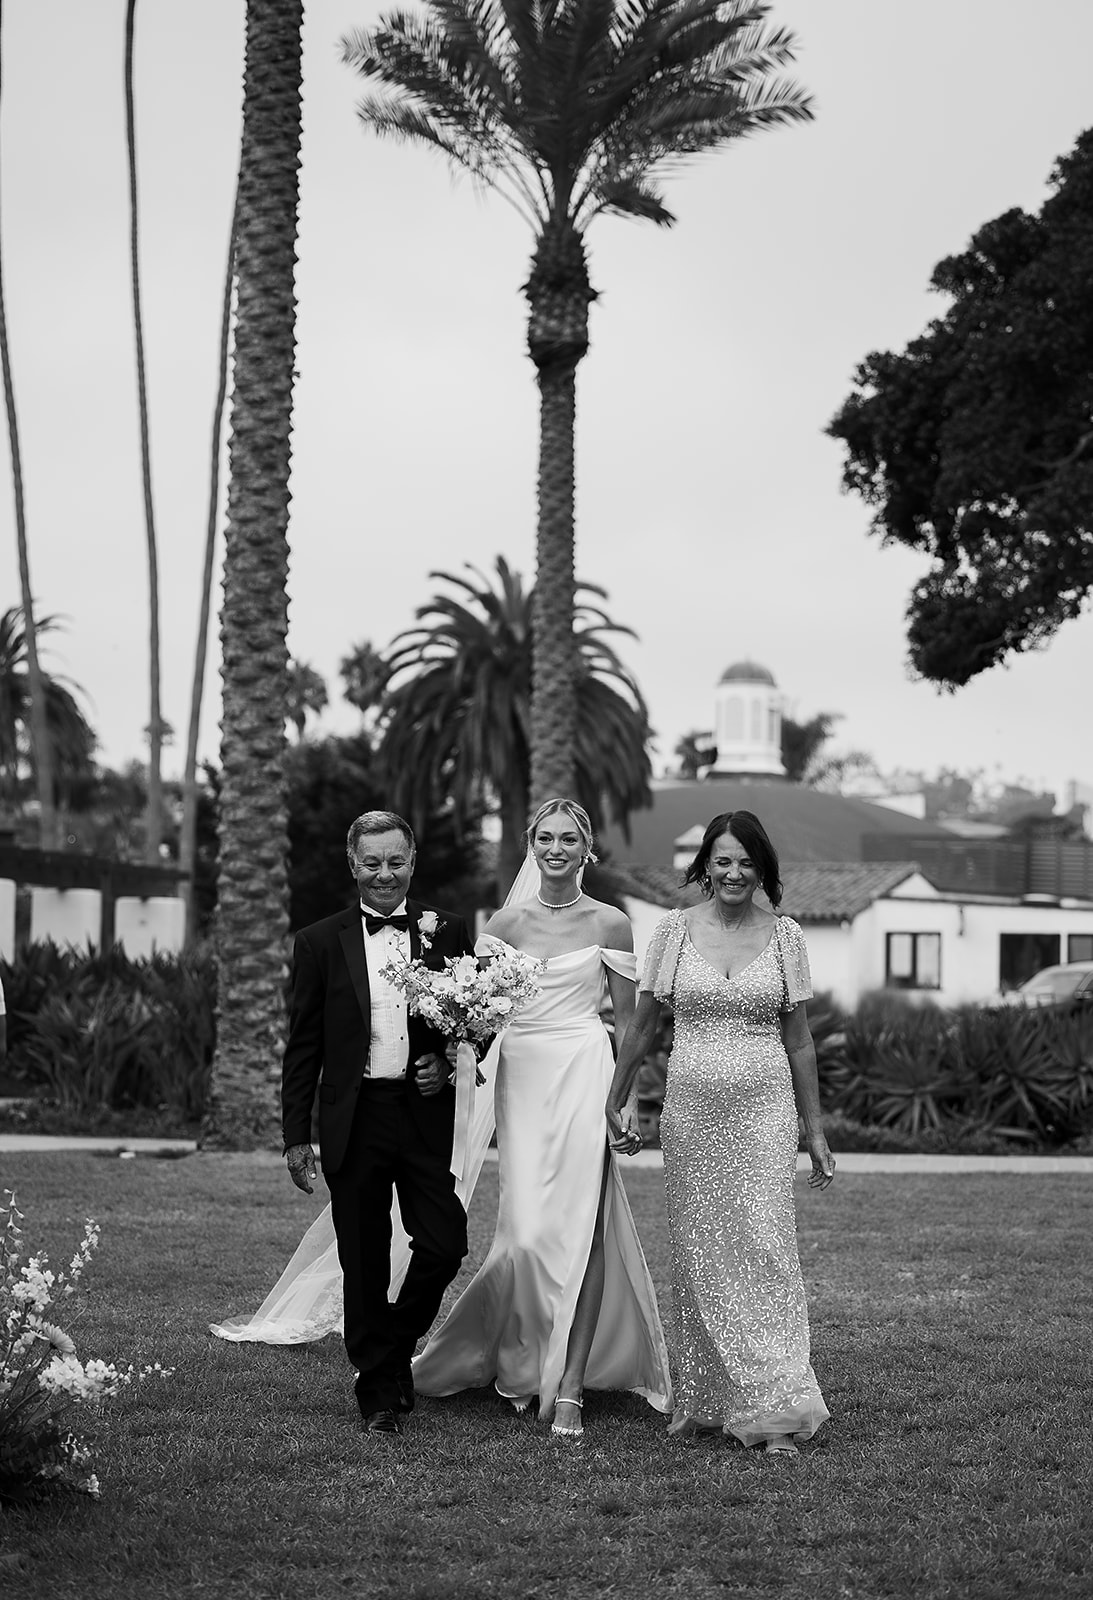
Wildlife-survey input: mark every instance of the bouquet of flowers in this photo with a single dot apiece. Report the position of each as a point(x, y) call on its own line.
point(41, 1376)
point(465, 1001)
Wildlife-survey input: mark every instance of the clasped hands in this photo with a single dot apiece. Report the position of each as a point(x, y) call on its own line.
point(623, 1127)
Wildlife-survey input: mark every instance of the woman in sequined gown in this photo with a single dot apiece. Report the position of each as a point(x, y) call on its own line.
point(742, 1068)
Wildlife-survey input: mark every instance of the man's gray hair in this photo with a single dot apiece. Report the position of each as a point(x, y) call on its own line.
point(370, 822)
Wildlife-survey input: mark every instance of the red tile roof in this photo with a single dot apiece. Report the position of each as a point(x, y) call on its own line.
point(814, 891)
point(804, 824)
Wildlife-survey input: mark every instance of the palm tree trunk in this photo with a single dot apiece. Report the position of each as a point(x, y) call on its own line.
point(153, 831)
point(40, 741)
point(559, 294)
point(252, 910)
point(187, 845)
point(553, 650)
point(514, 821)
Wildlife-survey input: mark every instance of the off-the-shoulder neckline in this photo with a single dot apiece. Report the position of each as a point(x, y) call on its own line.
point(561, 954)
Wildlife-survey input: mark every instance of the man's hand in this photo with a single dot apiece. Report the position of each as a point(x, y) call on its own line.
point(431, 1073)
point(301, 1166)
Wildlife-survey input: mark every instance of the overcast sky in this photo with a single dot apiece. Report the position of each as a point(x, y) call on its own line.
point(708, 496)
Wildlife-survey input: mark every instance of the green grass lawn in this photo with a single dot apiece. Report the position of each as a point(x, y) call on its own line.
point(951, 1323)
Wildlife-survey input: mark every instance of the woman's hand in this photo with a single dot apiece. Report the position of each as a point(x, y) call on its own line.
point(623, 1126)
point(823, 1162)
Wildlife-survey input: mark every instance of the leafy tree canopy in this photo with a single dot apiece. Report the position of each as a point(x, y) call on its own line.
point(975, 445)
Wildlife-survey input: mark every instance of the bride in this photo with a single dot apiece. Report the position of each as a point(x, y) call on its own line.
point(564, 1297)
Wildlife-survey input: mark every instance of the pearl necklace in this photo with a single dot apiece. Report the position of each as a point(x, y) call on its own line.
point(558, 905)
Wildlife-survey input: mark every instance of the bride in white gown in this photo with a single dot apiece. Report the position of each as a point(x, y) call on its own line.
point(563, 1298)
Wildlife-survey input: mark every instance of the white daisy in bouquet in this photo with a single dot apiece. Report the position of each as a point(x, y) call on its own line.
point(467, 1000)
point(41, 1377)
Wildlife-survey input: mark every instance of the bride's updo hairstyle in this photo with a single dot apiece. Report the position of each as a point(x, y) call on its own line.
point(576, 814)
point(750, 833)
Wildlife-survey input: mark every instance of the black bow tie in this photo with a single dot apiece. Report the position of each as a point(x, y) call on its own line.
point(374, 924)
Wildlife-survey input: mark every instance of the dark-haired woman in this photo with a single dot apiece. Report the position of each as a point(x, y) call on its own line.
point(742, 1069)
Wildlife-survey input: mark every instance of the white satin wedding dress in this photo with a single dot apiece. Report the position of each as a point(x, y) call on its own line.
point(548, 1081)
point(511, 1324)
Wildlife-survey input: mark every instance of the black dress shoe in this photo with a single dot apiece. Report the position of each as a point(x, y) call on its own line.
point(381, 1422)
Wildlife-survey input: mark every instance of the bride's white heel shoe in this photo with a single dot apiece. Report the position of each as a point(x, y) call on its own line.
point(782, 1445)
point(564, 1431)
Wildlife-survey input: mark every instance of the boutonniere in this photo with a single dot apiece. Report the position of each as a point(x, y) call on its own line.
point(427, 924)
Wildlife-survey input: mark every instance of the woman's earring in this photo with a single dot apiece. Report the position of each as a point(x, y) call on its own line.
point(704, 883)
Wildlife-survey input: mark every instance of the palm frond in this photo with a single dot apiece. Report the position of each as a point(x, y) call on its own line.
point(629, 197)
point(448, 89)
point(568, 108)
point(458, 704)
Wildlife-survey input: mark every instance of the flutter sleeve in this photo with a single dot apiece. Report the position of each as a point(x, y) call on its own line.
point(662, 956)
point(796, 977)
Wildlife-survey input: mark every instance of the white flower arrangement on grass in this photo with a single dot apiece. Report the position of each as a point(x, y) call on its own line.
point(41, 1376)
point(466, 1001)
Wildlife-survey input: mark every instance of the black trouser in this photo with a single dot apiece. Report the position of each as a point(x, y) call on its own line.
point(396, 1143)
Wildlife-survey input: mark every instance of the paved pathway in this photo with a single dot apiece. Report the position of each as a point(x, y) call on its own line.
point(853, 1161)
point(28, 1142)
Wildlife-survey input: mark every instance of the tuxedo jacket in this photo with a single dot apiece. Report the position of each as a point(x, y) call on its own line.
point(330, 1029)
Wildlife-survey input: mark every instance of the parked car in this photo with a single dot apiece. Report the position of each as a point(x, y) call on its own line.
point(1070, 984)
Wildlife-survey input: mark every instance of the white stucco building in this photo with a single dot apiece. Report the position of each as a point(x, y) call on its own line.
point(883, 925)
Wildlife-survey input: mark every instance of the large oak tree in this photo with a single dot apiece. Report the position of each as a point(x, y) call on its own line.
point(975, 444)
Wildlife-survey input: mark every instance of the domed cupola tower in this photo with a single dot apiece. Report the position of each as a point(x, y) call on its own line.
point(747, 724)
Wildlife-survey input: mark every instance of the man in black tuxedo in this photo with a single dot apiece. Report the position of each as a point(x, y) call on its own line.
point(386, 1109)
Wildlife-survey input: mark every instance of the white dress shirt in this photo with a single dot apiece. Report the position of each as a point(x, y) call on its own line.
point(389, 1052)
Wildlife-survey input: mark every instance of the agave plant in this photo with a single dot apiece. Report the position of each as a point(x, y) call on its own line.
point(911, 1089)
point(1004, 1053)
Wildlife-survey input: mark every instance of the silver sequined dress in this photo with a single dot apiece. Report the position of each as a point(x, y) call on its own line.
point(729, 1133)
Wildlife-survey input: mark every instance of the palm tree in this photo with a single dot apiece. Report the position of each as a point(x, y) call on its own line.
point(252, 908)
point(364, 676)
point(458, 723)
point(71, 738)
point(154, 824)
point(306, 692)
point(570, 108)
point(695, 750)
point(187, 833)
point(42, 750)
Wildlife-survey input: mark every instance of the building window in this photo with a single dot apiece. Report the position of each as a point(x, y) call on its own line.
point(912, 961)
point(1079, 947)
point(1020, 955)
